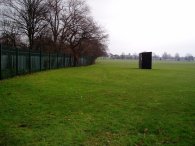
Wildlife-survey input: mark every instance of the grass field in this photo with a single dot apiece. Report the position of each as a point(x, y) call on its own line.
point(110, 103)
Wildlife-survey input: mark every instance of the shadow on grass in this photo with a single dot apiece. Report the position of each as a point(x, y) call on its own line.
point(143, 69)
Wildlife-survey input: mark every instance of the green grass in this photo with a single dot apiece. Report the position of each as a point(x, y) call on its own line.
point(110, 103)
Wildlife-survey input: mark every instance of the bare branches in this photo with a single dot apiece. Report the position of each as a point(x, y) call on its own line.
point(73, 19)
point(29, 15)
point(54, 19)
point(68, 25)
point(10, 33)
point(79, 28)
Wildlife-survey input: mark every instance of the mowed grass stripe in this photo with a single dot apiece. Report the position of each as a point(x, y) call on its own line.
point(109, 103)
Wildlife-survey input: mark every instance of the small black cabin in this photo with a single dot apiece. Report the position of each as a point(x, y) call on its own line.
point(145, 60)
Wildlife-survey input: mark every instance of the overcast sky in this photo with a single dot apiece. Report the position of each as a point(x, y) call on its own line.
point(147, 25)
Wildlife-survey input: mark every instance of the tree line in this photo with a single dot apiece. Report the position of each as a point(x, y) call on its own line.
point(52, 25)
point(164, 56)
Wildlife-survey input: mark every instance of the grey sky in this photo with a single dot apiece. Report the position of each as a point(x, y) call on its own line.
point(147, 25)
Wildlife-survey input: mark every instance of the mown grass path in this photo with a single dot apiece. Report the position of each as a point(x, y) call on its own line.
point(110, 103)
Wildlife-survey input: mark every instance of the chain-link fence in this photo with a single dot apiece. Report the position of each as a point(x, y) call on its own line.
point(14, 61)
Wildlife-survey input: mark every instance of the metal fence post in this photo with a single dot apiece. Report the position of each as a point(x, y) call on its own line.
point(49, 60)
point(0, 61)
point(17, 60)
point(64, 60)
point(40, 59)
point(70, 61)
point(29, 60)
point(57, 61)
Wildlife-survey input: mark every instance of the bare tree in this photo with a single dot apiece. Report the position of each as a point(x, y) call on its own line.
point(28, 15)
point(166, 56)
point(94, 48)
point(189, 57)
point(95, 42)
point(177, 57)
point(57, 25)
point(79, 27)
point(44, 41)
point(10, 35)
point(73, 19)
point(54, 19)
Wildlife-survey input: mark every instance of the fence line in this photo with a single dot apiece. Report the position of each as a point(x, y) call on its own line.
point(14, 61)
point(0, 62)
